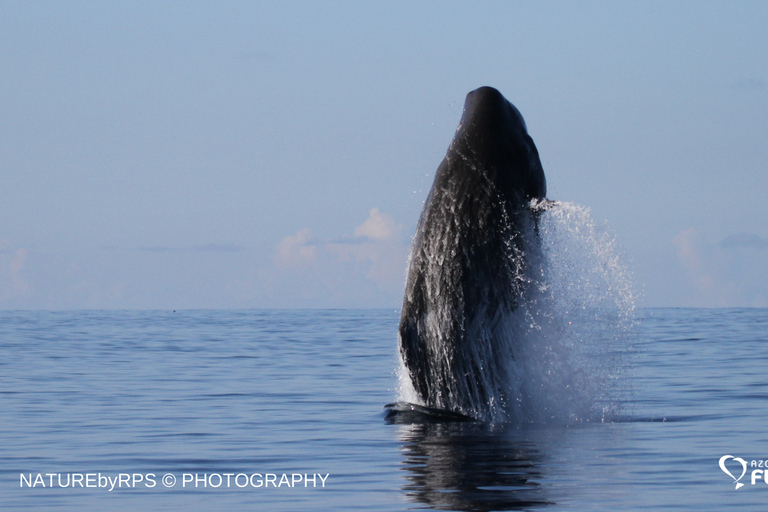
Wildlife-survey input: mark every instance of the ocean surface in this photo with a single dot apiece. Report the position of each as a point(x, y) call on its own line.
point(284, 411)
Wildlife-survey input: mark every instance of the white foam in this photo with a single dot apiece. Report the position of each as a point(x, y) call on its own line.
point(575, 328)
point(567, 339)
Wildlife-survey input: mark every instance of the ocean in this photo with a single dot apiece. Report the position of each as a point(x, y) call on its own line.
point(284, 410)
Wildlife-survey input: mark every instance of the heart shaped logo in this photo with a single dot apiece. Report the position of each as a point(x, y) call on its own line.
point(743, 463)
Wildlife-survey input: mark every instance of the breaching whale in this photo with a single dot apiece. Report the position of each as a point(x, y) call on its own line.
point(472, 262)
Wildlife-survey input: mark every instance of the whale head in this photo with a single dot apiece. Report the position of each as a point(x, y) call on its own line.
point(493, 135)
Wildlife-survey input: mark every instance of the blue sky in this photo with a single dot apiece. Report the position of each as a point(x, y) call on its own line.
point(247, 154)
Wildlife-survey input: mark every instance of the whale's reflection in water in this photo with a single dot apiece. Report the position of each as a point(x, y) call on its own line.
point(471, 466)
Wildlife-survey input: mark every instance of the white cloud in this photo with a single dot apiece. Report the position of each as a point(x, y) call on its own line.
point(12, 282)
point(204, 248)
point(728, 274)
point(690, 252)
point(366, 269)
point(296, 250)
point(378, 226)
point(744, 240)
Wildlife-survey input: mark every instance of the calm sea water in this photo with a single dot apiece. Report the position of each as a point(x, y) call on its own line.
point(283, 411)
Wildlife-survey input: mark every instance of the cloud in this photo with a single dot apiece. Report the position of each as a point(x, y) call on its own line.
point(720, 276)
point(364, 269)
point(378, 226)
point(690, 252)
point(296, 250)
point(744, 240)
point(13, 284)
point(377, 250)
point(222, 248)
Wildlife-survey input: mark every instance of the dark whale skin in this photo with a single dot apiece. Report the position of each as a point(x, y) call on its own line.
point(469, 264)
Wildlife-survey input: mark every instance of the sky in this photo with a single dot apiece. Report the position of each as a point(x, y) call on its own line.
point(172, 155)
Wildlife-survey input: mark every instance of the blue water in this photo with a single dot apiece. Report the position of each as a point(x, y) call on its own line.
point(201, 395)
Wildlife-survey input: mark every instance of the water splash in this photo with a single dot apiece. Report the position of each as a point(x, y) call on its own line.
point(566, 341)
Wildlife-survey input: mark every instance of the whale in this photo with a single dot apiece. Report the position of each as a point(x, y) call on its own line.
point(473, 262)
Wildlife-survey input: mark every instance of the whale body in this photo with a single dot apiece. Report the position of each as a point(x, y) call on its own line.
point(473, 261)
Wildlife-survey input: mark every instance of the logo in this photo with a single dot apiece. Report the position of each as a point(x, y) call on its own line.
point(725, 469)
